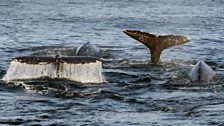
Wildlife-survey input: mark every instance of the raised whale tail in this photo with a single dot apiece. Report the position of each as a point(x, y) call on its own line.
point(156, 44)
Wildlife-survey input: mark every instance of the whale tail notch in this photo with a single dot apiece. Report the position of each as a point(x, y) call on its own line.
point(156, 44)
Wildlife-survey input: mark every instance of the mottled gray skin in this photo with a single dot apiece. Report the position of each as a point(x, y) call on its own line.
point(156, 44)
point(201, 72)
point(88, 49)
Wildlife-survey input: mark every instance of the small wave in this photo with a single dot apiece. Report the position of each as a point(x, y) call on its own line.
point(54, 50)
point(16, 121)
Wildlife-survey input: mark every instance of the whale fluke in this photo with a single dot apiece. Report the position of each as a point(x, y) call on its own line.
point(76, 68)
point(156, 44)
point(201, 72)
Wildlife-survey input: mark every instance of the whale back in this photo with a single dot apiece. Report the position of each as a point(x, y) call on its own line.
point(88, 49)
point(201, 72)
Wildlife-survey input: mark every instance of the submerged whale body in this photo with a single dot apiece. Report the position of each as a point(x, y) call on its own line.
point(88, 49)
point(77, 68)
point(201, 72)
point(156, 44)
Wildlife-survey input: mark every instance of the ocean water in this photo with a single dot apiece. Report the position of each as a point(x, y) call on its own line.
point(135, 93)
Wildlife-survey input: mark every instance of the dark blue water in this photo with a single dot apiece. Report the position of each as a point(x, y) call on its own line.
point(135, 93)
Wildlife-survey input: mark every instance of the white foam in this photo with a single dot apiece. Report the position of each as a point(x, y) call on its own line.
point(84, 73)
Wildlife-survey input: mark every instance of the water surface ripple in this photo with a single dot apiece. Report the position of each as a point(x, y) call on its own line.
point(135, 93)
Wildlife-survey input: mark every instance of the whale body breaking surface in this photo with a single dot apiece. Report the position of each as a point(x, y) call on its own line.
point(201, 72)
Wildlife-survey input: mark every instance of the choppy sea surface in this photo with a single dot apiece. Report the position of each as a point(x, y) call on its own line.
point(136, 93)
